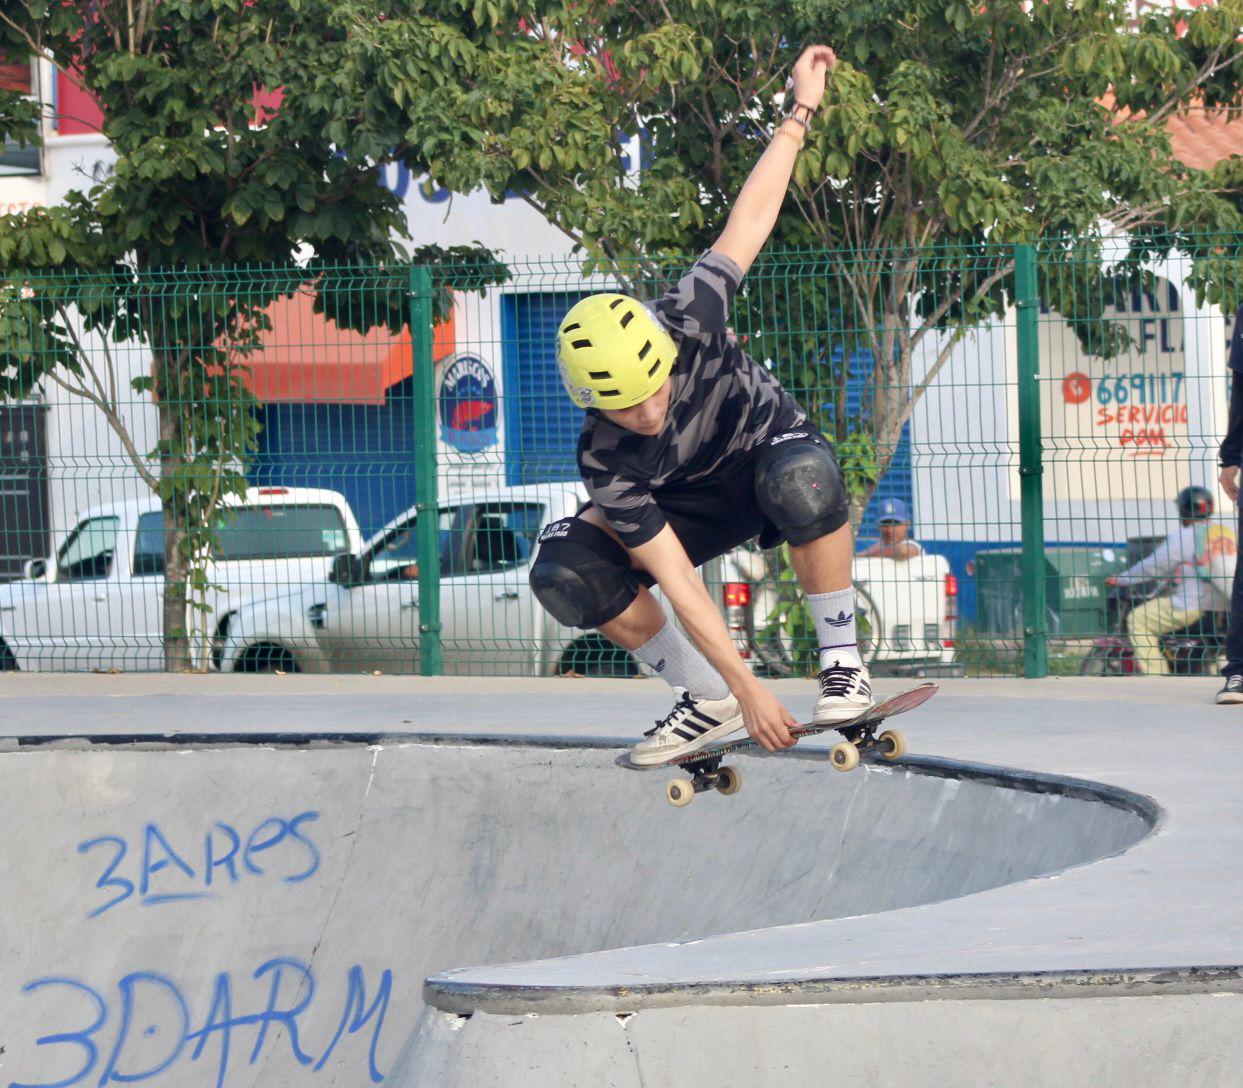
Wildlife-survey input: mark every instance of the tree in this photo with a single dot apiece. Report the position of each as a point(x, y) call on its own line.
point(950, 131)
point(208, 185)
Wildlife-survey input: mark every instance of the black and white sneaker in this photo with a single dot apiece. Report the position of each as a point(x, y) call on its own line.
point(1232, 690)
point(691, 725)
point(845, 691)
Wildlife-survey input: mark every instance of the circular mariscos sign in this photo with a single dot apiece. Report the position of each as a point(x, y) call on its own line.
point(467, 404)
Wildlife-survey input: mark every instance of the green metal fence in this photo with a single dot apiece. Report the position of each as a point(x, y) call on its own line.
point(343, 469)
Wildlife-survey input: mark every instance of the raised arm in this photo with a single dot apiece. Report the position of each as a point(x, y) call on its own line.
point(755, 211)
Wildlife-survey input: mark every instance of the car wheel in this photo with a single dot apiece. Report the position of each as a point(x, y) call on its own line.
point(597, 656)
point(267, 658)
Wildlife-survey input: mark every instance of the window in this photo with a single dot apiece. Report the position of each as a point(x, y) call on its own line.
point(87, 554)
point(251, 532)
point(279, 532)
point(504, 536)
point(17, 77)
point(396, 557)
point(149, 547)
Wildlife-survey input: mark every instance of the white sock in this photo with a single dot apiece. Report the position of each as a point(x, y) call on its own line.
point(834, 616)
point(671, 654)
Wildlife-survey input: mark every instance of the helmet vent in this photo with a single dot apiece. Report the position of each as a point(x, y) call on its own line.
point(615, 303)
point(608, 392)
point(627, 317)
point(647, 346)
point(598, 375)
point(581, 343)
point(655, 367)
point(571, 328)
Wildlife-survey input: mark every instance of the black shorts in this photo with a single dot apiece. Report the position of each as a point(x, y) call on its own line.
point(716, 514)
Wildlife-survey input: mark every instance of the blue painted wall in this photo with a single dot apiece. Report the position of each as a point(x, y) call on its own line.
point(364, 451)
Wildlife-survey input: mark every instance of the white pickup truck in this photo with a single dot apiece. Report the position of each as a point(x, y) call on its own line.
point(914, 610)
point(366, 615)
point(98, 602)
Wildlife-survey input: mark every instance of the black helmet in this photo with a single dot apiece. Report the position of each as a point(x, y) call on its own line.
point(1195, 503)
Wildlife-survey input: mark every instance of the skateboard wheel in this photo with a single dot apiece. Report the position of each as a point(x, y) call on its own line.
point(680, 791)
point(844, 756)
point(892, 743)
point(729, 780)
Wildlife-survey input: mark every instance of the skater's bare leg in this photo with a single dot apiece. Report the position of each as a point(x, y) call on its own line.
point(638, 624)
point(824, 565)
point(824, 570)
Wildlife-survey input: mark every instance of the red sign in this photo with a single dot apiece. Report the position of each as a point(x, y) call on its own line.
point(1076, 388)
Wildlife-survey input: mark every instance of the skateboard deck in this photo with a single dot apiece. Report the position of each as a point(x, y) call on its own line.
point(704, 766)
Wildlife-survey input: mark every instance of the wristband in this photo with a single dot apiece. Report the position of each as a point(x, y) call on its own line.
point(808, 112)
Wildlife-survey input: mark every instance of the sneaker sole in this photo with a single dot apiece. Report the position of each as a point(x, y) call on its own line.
point(1228, 698)
point(652, 758)
point(840, 716)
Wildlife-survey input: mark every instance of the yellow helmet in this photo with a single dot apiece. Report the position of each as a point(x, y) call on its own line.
point(612, 353)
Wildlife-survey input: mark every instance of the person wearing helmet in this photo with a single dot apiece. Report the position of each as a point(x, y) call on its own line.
point(690, 448)
point(895, 529)
point(1199, 557)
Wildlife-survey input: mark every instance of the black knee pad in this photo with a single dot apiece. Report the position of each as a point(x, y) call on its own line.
point(799, 486)
point(581, 574)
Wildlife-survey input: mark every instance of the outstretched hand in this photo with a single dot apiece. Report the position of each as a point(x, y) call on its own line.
point(809, 74)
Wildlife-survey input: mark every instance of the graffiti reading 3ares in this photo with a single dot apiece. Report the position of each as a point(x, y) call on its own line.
point(158, 872)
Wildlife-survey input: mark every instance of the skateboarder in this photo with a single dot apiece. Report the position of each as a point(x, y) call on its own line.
point(690, 448)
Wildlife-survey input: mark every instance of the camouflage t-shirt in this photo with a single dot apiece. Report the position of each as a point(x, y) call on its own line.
point(722, 404)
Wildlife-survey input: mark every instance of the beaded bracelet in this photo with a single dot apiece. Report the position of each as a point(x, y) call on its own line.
point(789, 136)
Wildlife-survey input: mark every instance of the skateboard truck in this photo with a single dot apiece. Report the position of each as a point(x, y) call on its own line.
point(706, 774)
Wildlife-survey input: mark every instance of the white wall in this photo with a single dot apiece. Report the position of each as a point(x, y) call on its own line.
point(1108, 475)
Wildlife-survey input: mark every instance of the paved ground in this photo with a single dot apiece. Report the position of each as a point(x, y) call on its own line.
point(799, 927)
point(43, 703)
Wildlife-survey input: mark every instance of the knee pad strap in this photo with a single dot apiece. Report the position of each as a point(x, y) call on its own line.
point(581, 575)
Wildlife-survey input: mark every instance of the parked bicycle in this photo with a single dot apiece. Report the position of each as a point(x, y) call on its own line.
point(764, 614)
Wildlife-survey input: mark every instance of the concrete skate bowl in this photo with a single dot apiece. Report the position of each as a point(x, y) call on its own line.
point(258, 912)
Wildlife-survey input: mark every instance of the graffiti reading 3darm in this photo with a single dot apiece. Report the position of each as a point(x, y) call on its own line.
point(146, 1025)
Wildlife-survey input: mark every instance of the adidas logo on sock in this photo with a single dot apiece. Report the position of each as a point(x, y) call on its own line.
point(841, 621)
point(659, 666)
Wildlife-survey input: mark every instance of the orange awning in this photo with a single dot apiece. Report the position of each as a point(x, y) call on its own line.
point(307, 358)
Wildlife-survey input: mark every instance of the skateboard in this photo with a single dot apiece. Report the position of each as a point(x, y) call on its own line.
point(706, 772)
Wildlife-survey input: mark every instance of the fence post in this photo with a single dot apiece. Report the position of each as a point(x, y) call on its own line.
point(1031, 467)
point(425, 470)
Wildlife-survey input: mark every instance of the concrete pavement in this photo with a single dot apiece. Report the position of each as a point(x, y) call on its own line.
point(248, 882)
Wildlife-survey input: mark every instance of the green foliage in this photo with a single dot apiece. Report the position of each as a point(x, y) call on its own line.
point(207, 183)
point(966, 126)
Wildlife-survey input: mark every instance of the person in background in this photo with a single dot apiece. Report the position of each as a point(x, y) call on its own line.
point(895, 529)
point(1229, 457)
point(1198, 557)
